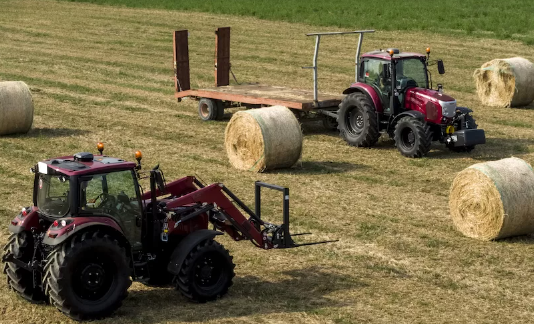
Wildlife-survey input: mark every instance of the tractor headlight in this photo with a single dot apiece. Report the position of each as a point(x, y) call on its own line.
point(448, 108)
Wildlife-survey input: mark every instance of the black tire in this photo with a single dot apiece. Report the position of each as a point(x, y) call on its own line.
point(413, 137)
point(357, 120)
point(19, 279)
point(470, 123)
point(330, 123)
point(208, 109)
point(206, 273)
point(220, 110)
point(88, 276)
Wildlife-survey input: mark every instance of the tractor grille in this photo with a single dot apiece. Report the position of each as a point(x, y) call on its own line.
point(448, 108)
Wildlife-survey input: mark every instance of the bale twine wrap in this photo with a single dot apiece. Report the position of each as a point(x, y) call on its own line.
point(16, 108)
point(505, 82)
point(263, 139)
point(494, 200)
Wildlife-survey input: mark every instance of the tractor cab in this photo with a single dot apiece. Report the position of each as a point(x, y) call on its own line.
point(391, 73)
point(87, 186)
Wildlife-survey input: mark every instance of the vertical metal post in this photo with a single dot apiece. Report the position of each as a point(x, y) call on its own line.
point(286, 217)
point(360, 40)
point(315, 86)
point(257, 199)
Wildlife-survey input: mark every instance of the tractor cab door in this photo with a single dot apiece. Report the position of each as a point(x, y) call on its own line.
point(116, 195)
point(373, 75)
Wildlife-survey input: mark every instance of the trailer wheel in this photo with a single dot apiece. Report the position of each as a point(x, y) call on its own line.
point(88, 276)
point(208, 109)
point(413, 137)
point(206, 273)
point(470, 123)
point(19, 279)
point(357, 120)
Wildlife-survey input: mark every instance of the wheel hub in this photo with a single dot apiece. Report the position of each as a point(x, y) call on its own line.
point(204, 110)
point(92, 277)
point(356, 122)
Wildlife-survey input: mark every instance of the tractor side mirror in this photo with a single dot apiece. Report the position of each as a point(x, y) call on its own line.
point(160, 181)
point(441, 67)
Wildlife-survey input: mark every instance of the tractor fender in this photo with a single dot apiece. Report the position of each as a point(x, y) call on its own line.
point(464, 110)
point(412, 113)
point(80, 224)
point(368, 90)
point(25, 223)
point(187, 245)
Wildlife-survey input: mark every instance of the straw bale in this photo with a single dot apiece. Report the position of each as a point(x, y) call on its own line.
point(505, 82)
point(16, 108)
point(263, 139)
point(494, 200)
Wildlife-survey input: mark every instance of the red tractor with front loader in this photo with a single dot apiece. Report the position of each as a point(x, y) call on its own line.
point(91, 229)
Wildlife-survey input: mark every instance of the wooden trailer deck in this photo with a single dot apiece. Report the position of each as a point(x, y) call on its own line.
point(259, 94)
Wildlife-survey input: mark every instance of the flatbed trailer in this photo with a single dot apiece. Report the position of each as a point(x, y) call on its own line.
point(306, 104)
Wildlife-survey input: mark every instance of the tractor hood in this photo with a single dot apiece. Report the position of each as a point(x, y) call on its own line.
point(432, 103)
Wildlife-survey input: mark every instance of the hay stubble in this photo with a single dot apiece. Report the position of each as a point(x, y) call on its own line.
point(105, 74)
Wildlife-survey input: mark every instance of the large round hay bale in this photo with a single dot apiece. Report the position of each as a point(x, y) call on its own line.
point(494, 200)
point(505, 82)
point(263, 139)
point(16, 108)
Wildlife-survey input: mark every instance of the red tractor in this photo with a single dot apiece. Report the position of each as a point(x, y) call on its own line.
point(393, 94)
point(92, 229)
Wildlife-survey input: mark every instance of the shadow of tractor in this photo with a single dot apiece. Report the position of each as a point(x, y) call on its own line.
point(301, 290)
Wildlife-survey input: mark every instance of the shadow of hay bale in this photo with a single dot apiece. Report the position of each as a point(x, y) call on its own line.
point(320, 167)
point(521, 239)
point(50, 132)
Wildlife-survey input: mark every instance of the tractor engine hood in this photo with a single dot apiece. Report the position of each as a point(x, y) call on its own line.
point(430, 102)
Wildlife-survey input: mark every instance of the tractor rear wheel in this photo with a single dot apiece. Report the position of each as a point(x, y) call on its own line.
point(413, 137)
point(206, 272)
point(357, 120)
point(209, 109)
point(88, 276)
point(19, 279)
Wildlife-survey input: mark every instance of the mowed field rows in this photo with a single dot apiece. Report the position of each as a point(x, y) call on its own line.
point(102, 73)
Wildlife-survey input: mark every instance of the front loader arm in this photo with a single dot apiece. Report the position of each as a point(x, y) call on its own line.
point(214, 195)
point(178, 187)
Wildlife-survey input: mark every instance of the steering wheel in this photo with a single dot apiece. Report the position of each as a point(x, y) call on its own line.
point(107, 201)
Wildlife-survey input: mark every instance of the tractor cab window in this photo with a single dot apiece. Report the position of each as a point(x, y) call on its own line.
point(373, 72)
point(113, 194)
point(53, 195)
point(411, 73)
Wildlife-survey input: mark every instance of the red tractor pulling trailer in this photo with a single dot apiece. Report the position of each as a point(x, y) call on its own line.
point(91, 228)
point(392, 94)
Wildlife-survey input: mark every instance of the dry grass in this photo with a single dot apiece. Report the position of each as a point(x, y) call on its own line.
point(100, 73)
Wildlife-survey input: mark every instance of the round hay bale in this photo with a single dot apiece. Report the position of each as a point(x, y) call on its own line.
point(263, 139)
point(16, 108)
point(505, 82)
point(494, 200)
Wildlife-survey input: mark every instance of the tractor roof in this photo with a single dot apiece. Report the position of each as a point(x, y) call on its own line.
point(380, 54)
point(83, 163)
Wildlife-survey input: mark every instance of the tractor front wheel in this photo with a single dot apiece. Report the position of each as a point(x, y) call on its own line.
point(19, 279)
point(413, 137)
point(206, 272)
point(357, 120)
point(88, 276)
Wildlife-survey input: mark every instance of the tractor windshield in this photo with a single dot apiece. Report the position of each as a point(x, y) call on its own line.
point(53, 195)
point(411, 73)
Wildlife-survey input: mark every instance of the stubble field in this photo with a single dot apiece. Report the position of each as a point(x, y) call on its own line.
point(105, 74)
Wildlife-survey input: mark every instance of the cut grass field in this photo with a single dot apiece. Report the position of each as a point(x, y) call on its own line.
point(105, 74)
point(493, 18)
